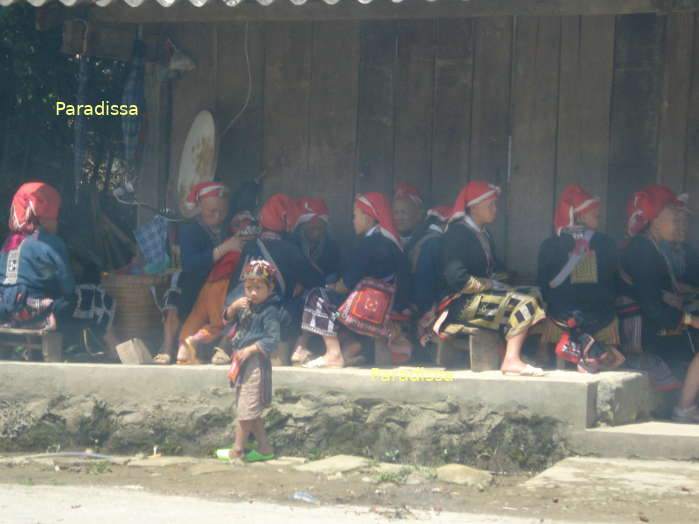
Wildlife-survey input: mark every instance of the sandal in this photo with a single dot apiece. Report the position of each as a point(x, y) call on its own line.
point(256, 456)
point(162, 359)
point(320, 363)
point(191, 354)
point(527, 371)
point(220, 357)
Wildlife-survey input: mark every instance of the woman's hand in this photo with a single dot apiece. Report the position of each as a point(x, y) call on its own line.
point(230, 245)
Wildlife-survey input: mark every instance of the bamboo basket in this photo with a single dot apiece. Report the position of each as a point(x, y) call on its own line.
point(137, 315)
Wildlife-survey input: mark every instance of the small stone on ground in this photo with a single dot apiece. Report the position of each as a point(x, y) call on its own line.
point(464, 475)
point(336, 464)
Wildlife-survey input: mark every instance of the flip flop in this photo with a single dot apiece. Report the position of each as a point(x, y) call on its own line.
point(527, 371)
point(220, 358)
point(319, 363)
point(256, 456)
point(162, 358)
point(191, 355)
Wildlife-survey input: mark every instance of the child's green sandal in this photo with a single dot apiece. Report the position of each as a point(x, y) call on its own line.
point(256, 456)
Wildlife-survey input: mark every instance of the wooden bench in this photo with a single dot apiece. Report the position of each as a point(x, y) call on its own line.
point(482, 347)
point(48, 341)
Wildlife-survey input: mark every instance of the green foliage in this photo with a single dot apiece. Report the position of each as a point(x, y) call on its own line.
point(99, 468)
point(35, 143)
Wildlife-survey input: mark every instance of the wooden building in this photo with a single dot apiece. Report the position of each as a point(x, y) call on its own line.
point(349, 97)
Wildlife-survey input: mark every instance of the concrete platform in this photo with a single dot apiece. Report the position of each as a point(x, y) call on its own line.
point(646, 440)
point(580, 400)
point(583, 477)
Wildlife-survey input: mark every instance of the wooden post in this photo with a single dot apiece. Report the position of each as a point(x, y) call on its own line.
point(51, 346)
point(484, 348)
point(448, 351)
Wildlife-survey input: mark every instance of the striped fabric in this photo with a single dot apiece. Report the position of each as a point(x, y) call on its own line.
point(511, 311)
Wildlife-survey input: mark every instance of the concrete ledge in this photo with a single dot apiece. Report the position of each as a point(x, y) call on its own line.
point(577, 399)
point(647, 440)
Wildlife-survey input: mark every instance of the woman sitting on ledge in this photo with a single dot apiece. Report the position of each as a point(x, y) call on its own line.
point(378, 255)
point(578, 270)
point(477, 299)
point(654, 223)
point(37, 286)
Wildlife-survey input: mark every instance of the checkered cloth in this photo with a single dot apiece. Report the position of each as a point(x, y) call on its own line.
point(320, 312)
point(152, 240)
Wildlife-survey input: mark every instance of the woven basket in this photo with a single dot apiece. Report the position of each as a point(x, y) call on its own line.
point(137, 315)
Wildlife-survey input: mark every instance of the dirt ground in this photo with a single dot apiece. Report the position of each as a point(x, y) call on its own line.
point(267, 483)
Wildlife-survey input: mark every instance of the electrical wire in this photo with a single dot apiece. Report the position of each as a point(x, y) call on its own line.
point(247, 97)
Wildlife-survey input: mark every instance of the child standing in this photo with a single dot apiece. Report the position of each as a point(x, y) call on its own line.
point(254, 337)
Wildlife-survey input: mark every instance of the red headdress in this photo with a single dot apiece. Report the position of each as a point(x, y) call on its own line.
point(376, 205)
point(278, 213)
point(404, 191)
point(574, 202)
point(441, 213)
point(472, 193)
point(646, 204)
point(310, 209)
point(205, 190)
point(32, 201)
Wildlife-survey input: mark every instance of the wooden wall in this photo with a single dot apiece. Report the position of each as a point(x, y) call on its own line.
point(530, 103)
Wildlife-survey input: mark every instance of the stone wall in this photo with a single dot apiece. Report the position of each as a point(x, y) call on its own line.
point(302, 424)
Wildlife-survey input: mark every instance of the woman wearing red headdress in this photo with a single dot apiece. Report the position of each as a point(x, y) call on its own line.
point(468, 264)
point(657, 282)
point(294, 272)
point(204, 324)
point(578, 275)
point(202, 243)
point(312, 236)
point(310, 232)
point(37, 286)
point(408, 210)
point(378, 255)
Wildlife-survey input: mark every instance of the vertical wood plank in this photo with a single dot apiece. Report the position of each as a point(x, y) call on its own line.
point(534, 123)
point(452, 108)
point(692, 151)
point(634, 112)
point(241, 148)
point(288, 47)
point(491, 111)
point(413, 139)
point(672, 138)
point(377, 88)
point(191, 93)
point(587, 64)
point(333, 122)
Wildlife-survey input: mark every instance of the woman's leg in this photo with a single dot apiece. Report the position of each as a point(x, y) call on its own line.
point(170, 327)
point(690, 388)
point(333, 351)
point(111, 342)
point(512, 361)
